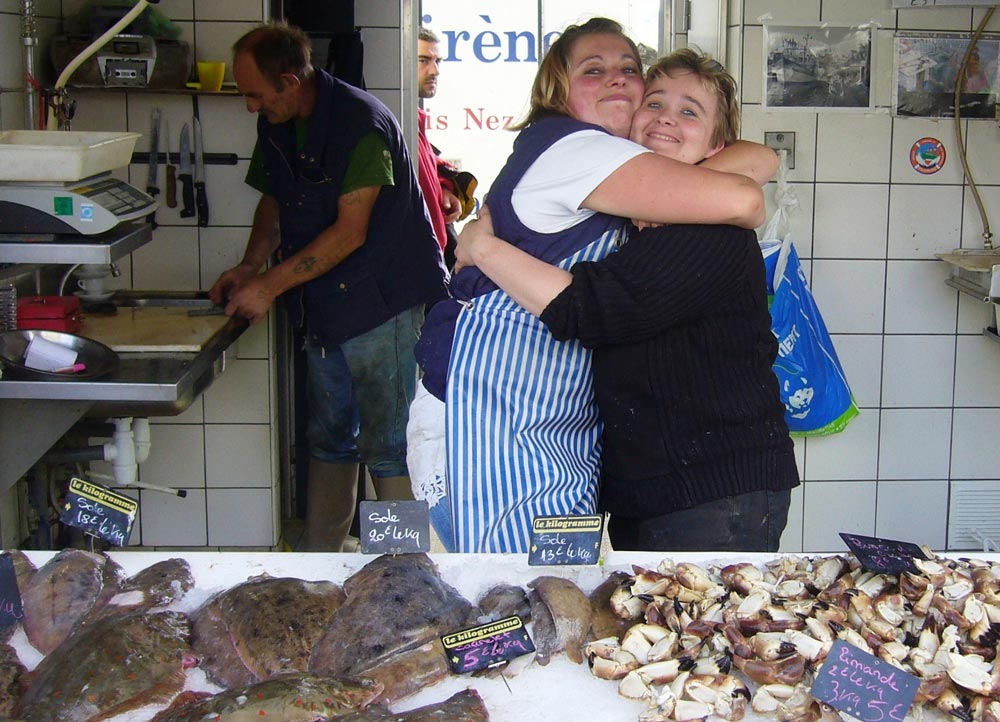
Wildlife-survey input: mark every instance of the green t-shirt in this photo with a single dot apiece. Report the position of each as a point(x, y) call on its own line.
point(369, 164)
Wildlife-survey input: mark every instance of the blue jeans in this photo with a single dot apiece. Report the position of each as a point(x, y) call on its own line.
point(359, 396)
point(750, 522)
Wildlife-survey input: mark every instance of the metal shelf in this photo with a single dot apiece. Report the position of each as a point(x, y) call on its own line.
point(229, 90)
point(991, 334)
point(969, 288)
point(73, 247)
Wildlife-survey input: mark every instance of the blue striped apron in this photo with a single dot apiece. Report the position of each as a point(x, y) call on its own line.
point(523, 435)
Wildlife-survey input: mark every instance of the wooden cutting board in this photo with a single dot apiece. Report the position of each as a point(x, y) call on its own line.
point(158, 329)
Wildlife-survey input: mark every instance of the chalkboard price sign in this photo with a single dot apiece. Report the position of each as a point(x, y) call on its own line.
point(884, 556)
point(99, 511)
point(488, 645)
point(557, 540)
point(11, 611)
point(394, 527)
point(864, 686)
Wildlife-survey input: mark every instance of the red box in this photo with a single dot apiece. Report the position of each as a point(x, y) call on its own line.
point(51, 313)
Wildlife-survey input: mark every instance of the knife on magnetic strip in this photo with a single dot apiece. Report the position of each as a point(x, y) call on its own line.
point(186, 174)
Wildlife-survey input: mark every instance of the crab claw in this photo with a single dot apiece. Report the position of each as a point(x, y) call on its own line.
point(783, 671)
point(615, 667)
point(973, 673)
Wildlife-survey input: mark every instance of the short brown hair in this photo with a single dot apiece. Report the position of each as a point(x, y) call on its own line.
point(277, 48)
point(550, 91)
point(716, 80)
point(428, 35)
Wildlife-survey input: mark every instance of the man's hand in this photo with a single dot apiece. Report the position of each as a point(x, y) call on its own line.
point(474, 234)
point(230, 280)
point(251, 299)
point(450, 206)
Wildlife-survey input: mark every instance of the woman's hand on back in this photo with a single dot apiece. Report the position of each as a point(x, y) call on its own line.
point(474, 234)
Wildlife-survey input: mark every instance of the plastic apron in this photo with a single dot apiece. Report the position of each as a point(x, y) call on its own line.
point(523, 435)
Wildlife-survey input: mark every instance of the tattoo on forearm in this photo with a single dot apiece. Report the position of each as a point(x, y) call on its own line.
point(306, 264)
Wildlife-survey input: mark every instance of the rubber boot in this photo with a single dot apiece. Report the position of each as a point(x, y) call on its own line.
point(393, 488)
point(332, 496)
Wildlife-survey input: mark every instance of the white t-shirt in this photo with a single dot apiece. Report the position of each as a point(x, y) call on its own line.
point(547, 199)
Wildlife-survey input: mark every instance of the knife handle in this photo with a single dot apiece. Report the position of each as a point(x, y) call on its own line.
point(201, 201)
point(187, 195)
point(171, 186)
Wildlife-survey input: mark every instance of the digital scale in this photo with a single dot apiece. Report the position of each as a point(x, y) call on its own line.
point(60, 182)
point(89, 207)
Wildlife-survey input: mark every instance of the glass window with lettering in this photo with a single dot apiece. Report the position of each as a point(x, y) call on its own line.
point(489, 53)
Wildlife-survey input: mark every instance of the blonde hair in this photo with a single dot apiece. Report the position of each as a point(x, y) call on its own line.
point(550, 91)
point(716, 80)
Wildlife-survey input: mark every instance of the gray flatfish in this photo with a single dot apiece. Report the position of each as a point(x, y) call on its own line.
point(389, 627)
point(263, 627)
point(67, 589)
point(111, 666)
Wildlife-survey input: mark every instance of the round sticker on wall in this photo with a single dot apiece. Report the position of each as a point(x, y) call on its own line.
point(927, 156)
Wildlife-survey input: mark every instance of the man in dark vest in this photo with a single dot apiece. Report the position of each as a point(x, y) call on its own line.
point(357, 261)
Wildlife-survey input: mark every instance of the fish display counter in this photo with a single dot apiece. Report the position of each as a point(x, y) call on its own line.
point(643, 636)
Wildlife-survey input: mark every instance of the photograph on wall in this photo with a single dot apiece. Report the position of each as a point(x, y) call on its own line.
point(927, 67)
point(818, 66)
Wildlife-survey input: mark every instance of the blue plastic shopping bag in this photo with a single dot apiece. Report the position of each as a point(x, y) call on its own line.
point(813, 386)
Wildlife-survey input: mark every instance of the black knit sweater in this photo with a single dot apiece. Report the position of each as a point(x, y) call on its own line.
point(683, 349)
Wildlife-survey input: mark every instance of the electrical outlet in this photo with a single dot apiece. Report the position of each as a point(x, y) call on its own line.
point(782, 140)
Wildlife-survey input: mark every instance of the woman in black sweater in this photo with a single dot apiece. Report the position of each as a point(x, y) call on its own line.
point(696, 452)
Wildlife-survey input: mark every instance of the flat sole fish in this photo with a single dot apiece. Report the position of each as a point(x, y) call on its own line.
point(109, 667)
point(389, 627)
point(263, 627)
point(603, 621)
point(11, 672)
point(464, 706)
point(69, 587)
point(155, 586)
point(289, 698)
point(569, 608)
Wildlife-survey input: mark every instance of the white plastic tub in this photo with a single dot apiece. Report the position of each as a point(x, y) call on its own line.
point(44, 155)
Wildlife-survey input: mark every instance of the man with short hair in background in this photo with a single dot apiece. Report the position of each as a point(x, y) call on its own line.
point(439, 191)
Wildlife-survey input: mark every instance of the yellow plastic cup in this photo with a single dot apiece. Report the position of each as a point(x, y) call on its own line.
point(210, 74)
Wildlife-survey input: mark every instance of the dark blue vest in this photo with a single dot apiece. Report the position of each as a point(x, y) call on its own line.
point(433, 350)
point(399, 266)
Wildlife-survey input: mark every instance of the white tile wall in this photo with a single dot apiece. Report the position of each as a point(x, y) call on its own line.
point(975, 452)
point(860, 233)
point(850, 294)
point(851, 454)
point(976, 372)
point(919, 371)
point(242, 518)
point(914, 443)
point(861, 357)
point(868, 161)
point(917, 233)
point(917, 299)
point(173, 521)
point(901, 504)
point(912, 348)
point(166, 466)
point(238, 455)
point(832, 507)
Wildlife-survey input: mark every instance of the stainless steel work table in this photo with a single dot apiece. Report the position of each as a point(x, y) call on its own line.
point(36, 414)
